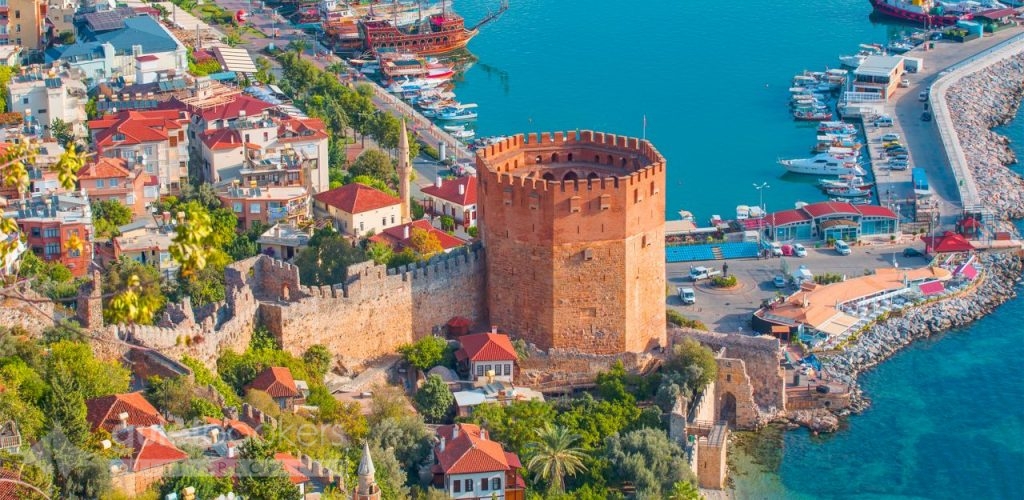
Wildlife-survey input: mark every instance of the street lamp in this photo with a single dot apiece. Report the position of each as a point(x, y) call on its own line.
point(760, 204)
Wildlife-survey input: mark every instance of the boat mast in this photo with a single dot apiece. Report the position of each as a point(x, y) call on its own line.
point(394, 11)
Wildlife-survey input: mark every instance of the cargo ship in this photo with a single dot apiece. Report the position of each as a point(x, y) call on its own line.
point(930, 13)
point(436, 34)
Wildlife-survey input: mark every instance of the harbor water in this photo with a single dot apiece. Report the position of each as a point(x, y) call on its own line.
point(947, 419)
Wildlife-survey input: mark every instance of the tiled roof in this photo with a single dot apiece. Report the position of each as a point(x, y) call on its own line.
point(136, 126)
point(788, 217)
point(356, 198)
point(103, 411)
point(830, 208)
point(150, 448)
point(395, 236)
point(449, 190)
point(104, 168)
point(469, 453)
point(293, 467)
point(875, 211)
point(301, 129)
point(230, 111)
point(241, 428)
point(487, 347)
point(221, 138)
point(276, 381)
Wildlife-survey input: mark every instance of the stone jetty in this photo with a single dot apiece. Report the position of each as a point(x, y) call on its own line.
point(885, 338)
point(977, 103)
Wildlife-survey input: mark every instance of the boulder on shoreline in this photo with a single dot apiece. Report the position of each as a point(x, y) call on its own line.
point(817, 420)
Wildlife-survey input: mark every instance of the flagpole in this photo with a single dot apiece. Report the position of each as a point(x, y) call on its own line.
point(645, 128)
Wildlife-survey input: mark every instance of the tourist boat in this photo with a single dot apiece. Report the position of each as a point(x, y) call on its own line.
point(926, 12)
point(827, 127)
point(828, 142)
point(848, 192)
point(854, 181)
point(437, 34)
point(461, 112)
point(454, 128)
point(823, 164)
point(464, 135)
point(812, 116)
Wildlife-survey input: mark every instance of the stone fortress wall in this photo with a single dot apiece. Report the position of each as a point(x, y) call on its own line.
point(574, 229)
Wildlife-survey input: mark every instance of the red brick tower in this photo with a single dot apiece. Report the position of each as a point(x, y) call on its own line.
point(574, 229)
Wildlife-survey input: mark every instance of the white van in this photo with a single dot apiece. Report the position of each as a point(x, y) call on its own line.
point(883, 121)
point(923, 96)
point(687, 296)
point(890, 137)
point(842, 248)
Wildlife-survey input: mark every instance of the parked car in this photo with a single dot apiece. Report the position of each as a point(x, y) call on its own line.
point(776, 249)
point(923, 96)
point(687, 296)
point(702, 273)
point(891, 137)
point(926, 116)
point(843, 248)
point(899, 165)
point(883, 121)
point(799, 250)
point(780, 281)
point(904, 83)
point(912, 252)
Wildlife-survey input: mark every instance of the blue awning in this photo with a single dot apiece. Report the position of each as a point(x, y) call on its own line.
point(223, 76)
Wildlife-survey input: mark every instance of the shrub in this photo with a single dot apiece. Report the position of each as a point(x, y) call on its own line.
point(723, 281)
point(473, 231)
point(675, 318)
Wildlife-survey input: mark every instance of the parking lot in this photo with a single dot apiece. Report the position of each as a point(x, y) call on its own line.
point(728, 311)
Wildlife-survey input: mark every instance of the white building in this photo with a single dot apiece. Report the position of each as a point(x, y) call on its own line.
point(455, 198)
point(487, 357)
point(468, 465)
point(357, 209)
point(42, 96)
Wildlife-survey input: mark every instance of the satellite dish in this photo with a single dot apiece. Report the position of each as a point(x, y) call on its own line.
point(241, 16)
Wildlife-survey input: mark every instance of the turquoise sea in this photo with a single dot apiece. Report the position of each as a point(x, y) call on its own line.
point(947, 419)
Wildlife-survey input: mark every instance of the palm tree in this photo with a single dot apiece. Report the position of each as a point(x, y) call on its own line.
point(685, 490)
point(554, 455)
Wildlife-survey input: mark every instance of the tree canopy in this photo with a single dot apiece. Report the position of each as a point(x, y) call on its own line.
point(326, 259)
point(425, 353)
point(434, 400)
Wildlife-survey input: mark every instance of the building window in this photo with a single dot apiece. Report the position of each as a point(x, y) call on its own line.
point(73, 253)
point(361, 227)
point(17, 14)
point(24, 100)
point(113, 183)
point(508, 369)
point(148, 150)
point(254, 208)
point(469, 485)
point(384, 221)
point(483, 484)
point(72, 232)
point(118, 137)
point(392, 219)
point(99, 183)
point(457, 486)
point(150, 192)
point(237, 207)
point(35, 232)
point(495, 483)
point(51, 232)
point(479, 370)
point(52, 248)
point(41, 111)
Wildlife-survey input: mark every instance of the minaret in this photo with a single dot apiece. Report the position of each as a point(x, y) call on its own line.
point(368, 489)
point(404, 173)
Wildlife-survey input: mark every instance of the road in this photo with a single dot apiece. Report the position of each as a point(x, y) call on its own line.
point(729, 312)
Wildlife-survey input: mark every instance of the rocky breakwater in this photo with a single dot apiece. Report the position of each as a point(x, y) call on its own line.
point(997, 285)
point(977, 103)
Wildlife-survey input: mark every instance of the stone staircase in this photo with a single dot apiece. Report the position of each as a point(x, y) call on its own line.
point(717, 251)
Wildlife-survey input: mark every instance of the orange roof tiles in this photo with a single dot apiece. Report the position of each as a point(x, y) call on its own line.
point(449, 190)
point(276, 381)
point(150, 448)
point(301, 129)
point(104, 411)
point(356, 198)
point(241, 428)
point(487, 347)
point(469, 452)
point(221, 138)
point(292, 466)
point(104, 168)
point(137, 127)
point(395, 236)
point(229, 111)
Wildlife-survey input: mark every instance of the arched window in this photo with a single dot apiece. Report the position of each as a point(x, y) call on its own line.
point(570, 156)
point(539, 160)
point(623, 162)
point(554, 157)
point(548, 176)
point(611, 160)
point(570, 176)
point(592, 176)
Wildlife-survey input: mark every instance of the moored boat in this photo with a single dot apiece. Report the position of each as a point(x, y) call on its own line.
point(926, 12)
point(823, 164)
point(812, 116)
point(848, 192)
point(462, 112)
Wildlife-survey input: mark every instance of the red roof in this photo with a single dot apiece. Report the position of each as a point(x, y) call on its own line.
point(356, 198)
point(969, 271)
point(829, 208)
point(487, 347)
point(230, 111)
point(395, 236)
point(147, 58)
point(875, 211)
point(276, 381)
point(137, 127)
point(104, 411)
point(293, 467)
point(449, 190)
point(150, 448)
point(789, 217)
point(469, 452)
point(104, 168)
point(301, 129)
point(932, 288)
point(241, 428)
point(947, 243)
point(221, 138)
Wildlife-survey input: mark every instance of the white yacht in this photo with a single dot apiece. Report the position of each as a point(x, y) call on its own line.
point(824, 164)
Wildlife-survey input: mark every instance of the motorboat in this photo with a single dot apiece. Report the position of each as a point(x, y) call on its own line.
point(836, 127)
point(848, 192)
point(460, 112)
point(855, 201)
point(824, 164)
point(855, 181)
point(464, 134)
point(454, 128)
point(814, 115)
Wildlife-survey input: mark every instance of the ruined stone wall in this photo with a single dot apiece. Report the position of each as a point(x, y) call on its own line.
point(34, 313)
point(556, 369)
point(734, 395)
point(761, 357)
point(376, 309)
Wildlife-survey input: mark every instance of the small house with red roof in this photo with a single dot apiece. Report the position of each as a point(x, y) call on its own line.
point(277, 381)
point(154, 140)
point(151, 456)
point(830, 220)
point(469, 465)
point(120, 411)
point(357, 209)
point(400, 237)
point(455, 198)
point(482, 354)
point(115, 179)
point(949, 242)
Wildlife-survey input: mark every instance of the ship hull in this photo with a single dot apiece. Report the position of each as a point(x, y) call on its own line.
point(445, 33)
point(915, 17)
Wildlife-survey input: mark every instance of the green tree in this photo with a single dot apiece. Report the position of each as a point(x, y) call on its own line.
point(298, 45)
point(434, 400)
point(185, 474)
point(77, 473)
point(264, 73)
point(65, 405)
point(6, 72)
point(425, 353)
point(375, 183)
point(326, 259)
point(447, 223)
point(555, 455)
point(409, 439)
point(132, 293)
point(515, 424)
point(318, 359)
point(173, 395)
point(380, 252)
point(199, 408)
point(684, 490)
point(691, 364)
point(108, 216)
point(62, 132)
point(266, 479)
point(93, 377)
point(373, 163)
point(648, 459)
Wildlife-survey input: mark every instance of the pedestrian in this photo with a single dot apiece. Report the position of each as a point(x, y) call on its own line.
point(725, 269)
